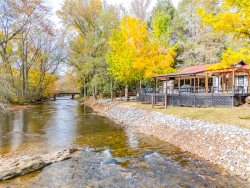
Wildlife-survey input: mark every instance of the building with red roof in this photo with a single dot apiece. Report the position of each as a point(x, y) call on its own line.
point(224, 85)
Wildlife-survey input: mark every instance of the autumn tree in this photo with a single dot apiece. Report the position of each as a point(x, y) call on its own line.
point(91, 24)
point(133, 56)
point(140, 8)
point(233, 21)
point(196, 45)
point(29, 50)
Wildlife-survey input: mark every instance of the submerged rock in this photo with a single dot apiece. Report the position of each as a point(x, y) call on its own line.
point(19, 165)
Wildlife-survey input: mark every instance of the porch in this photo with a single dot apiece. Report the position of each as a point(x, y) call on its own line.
point(198, 87)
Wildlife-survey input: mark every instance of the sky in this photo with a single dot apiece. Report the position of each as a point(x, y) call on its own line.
point(56, 4)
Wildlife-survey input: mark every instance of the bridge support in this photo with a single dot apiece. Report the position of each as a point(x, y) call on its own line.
point(73, 96)
point(54, 97)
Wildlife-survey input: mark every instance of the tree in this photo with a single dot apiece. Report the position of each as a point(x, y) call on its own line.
point(196, 45)
point(133, 56)
point(233, 21)
point(233, 18)
point(16, 15)
point(91, 24)
point(139, 8)
point(29, 50)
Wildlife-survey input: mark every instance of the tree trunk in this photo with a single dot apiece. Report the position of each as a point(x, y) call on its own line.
point(111, 90)
point(94, 92)
point(84, 88)
point(126, 92)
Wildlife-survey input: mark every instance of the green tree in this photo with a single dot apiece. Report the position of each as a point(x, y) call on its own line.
point(196, 45)
point(91, 24)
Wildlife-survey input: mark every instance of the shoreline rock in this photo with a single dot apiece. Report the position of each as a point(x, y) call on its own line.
point(11, 167)
point(225, 145)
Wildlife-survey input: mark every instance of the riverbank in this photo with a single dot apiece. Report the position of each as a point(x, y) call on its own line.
point(225, 145)
point(238, 116)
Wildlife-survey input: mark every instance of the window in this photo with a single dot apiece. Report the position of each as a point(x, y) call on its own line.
point(240, 80)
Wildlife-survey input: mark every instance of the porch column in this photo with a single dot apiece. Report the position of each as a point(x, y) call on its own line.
point(223, 83)
point(233, 80)
point(166, 95)
point(198, 84)
point(155, 85)
point(166, 85)
point(179, 83)
point(206, 82)
point(194, 82)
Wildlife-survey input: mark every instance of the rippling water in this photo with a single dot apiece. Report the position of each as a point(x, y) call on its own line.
point(111, 156)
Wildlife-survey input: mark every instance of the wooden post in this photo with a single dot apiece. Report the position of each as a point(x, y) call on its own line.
point(223, 83)
point(206, 82)
point(155, 85)
point(233, 80)
point(152, 100)
point(179, 83)
point(198, 84)
point(166, 95)
point(194, 82)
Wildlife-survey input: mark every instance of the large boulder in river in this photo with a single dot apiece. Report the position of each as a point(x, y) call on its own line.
point(20, 165)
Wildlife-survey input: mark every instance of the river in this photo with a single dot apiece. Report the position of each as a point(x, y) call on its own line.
point(110, 155)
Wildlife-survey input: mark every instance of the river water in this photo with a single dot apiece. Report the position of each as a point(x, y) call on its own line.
point(110, 155)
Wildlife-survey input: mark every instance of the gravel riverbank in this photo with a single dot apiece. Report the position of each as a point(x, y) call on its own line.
point(225, 145)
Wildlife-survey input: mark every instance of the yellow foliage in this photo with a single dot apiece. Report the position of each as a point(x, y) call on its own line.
point(134, 31)
point(48, 84)
point(133, 57)
point(234, 18)
point(231, 57)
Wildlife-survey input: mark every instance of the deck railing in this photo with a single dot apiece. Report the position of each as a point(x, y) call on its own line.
point(243, 90)
point(216, 96)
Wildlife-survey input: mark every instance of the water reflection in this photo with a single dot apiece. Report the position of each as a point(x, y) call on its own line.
point(119, 153)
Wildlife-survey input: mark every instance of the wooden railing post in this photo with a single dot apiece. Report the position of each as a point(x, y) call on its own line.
point(212, 96)
point(166, 101)
point(152, 100)
point(206, 82)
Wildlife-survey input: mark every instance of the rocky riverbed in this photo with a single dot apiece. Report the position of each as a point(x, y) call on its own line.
point(24, 164)
point(225, 145)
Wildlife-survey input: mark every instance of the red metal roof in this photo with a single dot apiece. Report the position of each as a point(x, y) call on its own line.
point(192, 69)
point(188, 70)
point(197, 69)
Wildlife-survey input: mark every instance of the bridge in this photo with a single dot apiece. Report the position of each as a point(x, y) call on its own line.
point(61, 93)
